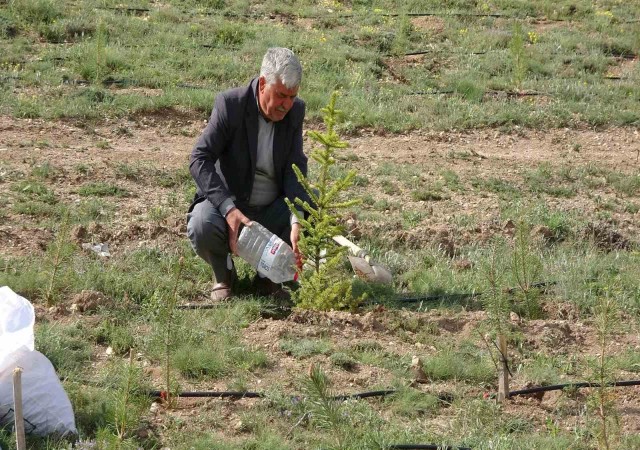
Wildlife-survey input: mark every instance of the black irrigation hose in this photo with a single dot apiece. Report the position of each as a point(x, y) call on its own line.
point(507, 93)
point(558, 387)
point(346, 16)
point(208, 394)
point(383, 393)
point(426, 446)
point(426, 52)
point(364, 395)
point(247, 394)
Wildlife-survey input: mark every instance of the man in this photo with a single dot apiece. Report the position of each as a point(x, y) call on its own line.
point(242, 168)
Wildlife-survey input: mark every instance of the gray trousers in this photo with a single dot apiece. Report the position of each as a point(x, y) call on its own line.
point(209, 236)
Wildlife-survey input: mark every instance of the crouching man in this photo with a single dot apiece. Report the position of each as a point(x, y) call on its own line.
point(241, 165)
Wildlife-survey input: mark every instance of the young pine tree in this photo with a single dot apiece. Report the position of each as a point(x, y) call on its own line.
point(323, 285)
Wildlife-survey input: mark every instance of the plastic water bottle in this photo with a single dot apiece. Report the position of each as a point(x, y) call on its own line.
point(267, 253)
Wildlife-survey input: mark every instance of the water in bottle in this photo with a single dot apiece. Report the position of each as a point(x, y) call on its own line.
point(267, 253)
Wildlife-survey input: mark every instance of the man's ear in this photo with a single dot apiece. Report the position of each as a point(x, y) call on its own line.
point(262, 82)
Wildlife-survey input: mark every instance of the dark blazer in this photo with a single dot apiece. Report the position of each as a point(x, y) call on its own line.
point(231, 136)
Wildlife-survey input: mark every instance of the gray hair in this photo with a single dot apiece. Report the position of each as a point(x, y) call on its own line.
point(281, 64)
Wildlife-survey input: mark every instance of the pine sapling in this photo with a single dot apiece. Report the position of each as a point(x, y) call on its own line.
point(122, 404)
point(163, 307)
point(603, 399)
point(59, 253)
point(324, 410)
point(518, 55)
point(526, 269)
point(497, 305)
point(323, 285)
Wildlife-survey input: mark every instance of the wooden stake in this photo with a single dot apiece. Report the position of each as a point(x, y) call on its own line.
point(17, 408)
point(503, 372)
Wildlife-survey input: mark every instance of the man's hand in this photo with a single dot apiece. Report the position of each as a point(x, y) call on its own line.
point(234, 218)
point(295, 237)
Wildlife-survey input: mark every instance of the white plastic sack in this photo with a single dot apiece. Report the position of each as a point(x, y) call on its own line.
point(45, 405)
point(16, 323)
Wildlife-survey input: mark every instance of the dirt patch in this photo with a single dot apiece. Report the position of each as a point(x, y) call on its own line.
point(623, 68)
point(430, 24)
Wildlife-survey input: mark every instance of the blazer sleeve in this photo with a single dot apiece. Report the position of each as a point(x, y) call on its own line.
point(292, 187)
point(210, 145)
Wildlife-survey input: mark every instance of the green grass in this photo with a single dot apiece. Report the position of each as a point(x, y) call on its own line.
point(188, 52)
point(303, 348)
point(155, 62)
point(101, 189)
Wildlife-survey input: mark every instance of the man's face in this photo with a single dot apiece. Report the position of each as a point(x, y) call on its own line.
point(276, 99)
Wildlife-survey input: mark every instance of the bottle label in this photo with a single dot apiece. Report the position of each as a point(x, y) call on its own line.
point(269, 254)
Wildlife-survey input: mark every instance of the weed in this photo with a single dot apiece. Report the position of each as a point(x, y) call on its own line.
point(65, 345)
point(631, 208)
point(382, 205)
point(43, 171)
point(449, 364)
point(103, 144)
point(36, 11)
point(303, 348)
point(82, 169)
point(428, 195)
point(412, 403)
point(117, 336)
point(388, 187)
point(411, 219)
point(131, 172)
point(625, 184)
point(158, 214)
point(343, 361)
point(34, 190)
point(101, 189)
point(368, 200)
point(495, 185)
point(451, 180)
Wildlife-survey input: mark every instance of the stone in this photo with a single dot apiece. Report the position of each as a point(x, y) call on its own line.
point(417, 372)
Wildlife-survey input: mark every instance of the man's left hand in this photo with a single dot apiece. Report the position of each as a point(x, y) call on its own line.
point(295, 237)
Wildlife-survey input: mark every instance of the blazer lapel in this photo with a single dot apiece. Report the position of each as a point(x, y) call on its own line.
point(252, 126)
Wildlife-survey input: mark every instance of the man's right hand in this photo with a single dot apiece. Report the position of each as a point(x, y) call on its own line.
point(234, 218)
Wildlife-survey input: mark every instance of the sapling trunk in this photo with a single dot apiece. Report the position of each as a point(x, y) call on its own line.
point(503, 372)
point(171, 303)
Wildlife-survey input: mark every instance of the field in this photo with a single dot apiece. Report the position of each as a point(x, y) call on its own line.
point(497, 152)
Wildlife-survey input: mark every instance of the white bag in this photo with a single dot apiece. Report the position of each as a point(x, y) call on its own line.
point(16, 323)
point(45, 406)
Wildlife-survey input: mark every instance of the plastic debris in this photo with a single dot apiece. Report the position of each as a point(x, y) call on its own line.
point(100, 249)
